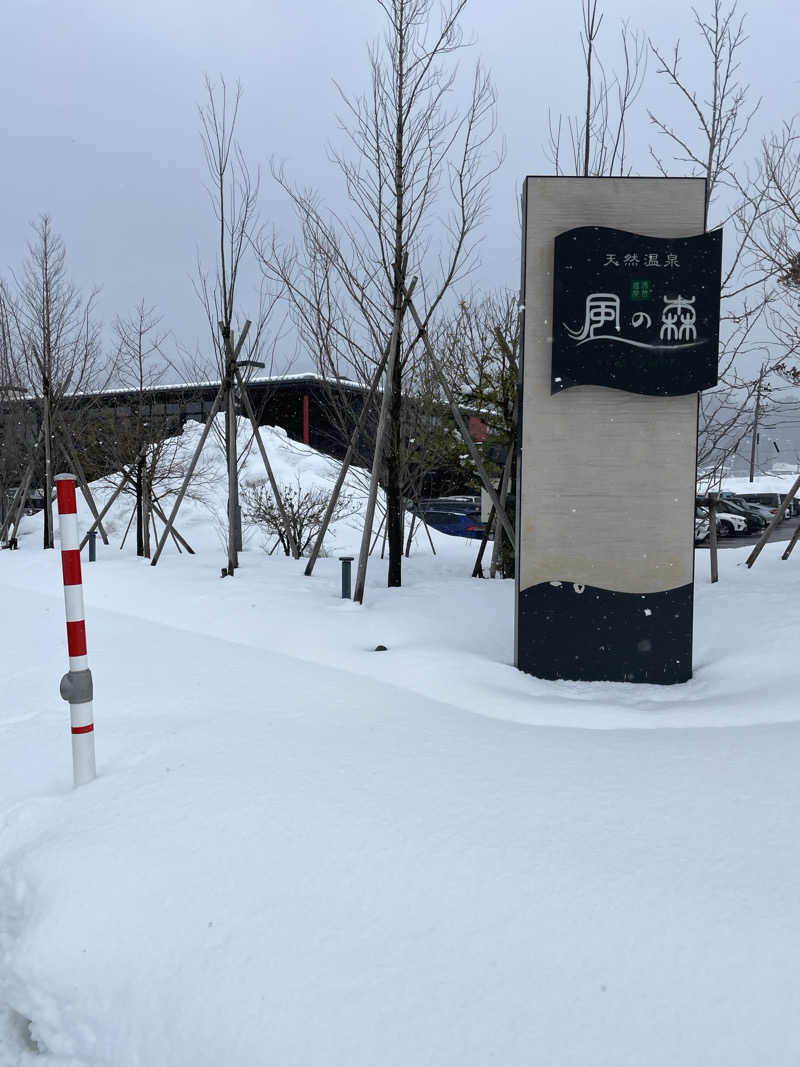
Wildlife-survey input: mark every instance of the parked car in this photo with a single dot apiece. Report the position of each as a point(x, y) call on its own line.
point(772, 501)
point(458, 516)
point(702, 527)
point(456, 523)
point(730, 504)
point(760, 510)
point(729, 523)
point(452, 503)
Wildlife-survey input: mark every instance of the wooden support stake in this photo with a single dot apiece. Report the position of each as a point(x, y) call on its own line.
point(72, 458)
point(176, 536)
point(345, 465)
point(377, 458)
point(410, 537)
point(424, 523)
point(713, 500)
point(791, 544)
point(477, 570)
point(18, 503)
point(505, 480)
point(127, 528)
point(778, 516)
point(182, 492)
point(109, 502)
point(377, 533)
point(293, 546)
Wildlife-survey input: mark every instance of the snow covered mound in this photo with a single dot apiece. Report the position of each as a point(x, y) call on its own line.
point(202, 519)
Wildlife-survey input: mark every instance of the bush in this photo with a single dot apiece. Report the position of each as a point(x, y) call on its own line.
point(304, 508)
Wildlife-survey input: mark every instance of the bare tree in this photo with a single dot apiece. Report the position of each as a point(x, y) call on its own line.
point(719, 117)
point(721, 113)
point(416, 173)
point(56, 339)
point(140, 367)
point(774, 242)
point(15, 427)
point(595, 142)
point(233, 193)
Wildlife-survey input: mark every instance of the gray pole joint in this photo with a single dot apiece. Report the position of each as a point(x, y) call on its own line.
point(76, 687)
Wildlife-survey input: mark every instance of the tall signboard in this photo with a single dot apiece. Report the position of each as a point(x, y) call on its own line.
point(621, 329)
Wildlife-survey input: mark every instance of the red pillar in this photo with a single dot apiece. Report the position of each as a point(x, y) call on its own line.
point(305, 419)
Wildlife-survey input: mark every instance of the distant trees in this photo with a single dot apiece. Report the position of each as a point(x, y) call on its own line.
point(774, 242)
point(15, 428)
point(140, 365)
point(53, 339)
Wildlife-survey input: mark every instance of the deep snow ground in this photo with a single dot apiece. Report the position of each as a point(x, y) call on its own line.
point(300, 851)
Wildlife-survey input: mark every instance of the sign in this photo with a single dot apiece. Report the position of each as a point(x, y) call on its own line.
point(605, 487)
point(636, 313)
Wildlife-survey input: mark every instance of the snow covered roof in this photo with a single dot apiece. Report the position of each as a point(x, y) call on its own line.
point(272, 379)
point(775, 481)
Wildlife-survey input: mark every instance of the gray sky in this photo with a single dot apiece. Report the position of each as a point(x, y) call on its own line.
point(100, 126)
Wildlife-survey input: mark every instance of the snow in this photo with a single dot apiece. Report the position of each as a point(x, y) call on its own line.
point(300, 851)
point(776, 481)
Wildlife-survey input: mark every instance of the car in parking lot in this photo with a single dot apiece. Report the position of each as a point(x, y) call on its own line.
point(729, 523)
point(731, 504)
point(771, 501)
point(459, 516)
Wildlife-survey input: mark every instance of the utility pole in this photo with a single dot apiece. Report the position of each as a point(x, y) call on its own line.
point(754, 443)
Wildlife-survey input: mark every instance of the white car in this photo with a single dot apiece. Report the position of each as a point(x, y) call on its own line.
point(701, 526)
point(728, 523)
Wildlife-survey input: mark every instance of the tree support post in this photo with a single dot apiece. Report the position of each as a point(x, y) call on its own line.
point(345, 465)
point(72, 458)
point(267, 465)
point(775, 520)
point(713, 501)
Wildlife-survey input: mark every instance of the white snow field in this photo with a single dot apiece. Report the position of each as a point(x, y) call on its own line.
point(301, 852)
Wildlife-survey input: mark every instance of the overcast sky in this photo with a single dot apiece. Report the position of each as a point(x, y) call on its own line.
point(100, 124)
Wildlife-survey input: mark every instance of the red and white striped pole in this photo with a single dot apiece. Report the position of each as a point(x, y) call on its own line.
point(76, 685)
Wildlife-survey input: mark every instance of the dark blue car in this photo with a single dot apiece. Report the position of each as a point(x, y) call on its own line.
point(458, 518)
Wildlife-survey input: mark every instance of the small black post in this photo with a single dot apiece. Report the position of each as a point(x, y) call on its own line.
point(346, 561)
point(92, 546)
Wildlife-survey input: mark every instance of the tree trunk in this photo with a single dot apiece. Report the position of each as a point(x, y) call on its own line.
point(395, 511)
point(48, 473)
point(394, 478)
point(139, 510)
point(145, 515)
point(230, 436)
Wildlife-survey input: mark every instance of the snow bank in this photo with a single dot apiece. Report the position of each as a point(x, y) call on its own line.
point(775, 482)
point(202, 519)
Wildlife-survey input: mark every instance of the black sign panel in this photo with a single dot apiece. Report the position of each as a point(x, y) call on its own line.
point(636, 313)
